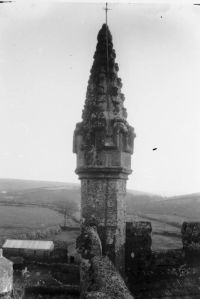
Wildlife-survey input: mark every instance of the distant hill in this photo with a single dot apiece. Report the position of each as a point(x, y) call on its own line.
point(55, 195)
point(165, 213)
point(19, 185)
point(184, 205)
point(61, 193)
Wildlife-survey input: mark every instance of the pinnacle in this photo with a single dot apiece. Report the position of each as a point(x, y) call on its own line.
point(104, 115)
point(104, 57)
point(104, 86)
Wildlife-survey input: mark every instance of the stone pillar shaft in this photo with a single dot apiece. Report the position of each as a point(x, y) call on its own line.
point(103, 200)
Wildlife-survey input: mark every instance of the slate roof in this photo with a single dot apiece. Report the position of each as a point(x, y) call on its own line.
point(29, 244)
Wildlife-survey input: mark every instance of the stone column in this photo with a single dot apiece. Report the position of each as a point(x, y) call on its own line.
point(103, 142)
point(103, 200)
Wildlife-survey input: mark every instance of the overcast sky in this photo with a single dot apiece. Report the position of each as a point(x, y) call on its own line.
point(46, 52)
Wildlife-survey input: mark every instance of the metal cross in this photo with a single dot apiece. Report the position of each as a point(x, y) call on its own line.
point(106, 10)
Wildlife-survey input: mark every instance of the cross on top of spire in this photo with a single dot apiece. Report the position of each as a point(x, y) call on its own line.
point(106, 10)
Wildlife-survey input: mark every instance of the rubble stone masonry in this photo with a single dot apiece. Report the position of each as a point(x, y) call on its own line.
point(103, 200)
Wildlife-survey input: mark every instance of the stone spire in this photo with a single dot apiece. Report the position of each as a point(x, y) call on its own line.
point(104, 114)
point(103, 142)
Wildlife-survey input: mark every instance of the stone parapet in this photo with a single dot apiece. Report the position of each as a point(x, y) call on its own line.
point(138, 246)
point(190, 232)
point(106, 281)
point(138, 236)
point(98, 276)
point(88, 243)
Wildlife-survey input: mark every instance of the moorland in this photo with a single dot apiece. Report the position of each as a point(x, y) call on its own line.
point(37, 209)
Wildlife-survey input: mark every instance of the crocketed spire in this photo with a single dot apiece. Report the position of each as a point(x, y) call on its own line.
point(104, 86)
point(104, 105)
point(103, 143)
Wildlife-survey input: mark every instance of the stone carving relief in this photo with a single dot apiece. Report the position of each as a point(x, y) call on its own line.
point(104, 123)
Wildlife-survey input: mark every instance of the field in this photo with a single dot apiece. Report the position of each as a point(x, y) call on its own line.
point(31, 206)
point(35, 210)
point(16, 220)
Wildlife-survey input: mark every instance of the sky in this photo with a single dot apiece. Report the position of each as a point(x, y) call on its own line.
point(46, 52)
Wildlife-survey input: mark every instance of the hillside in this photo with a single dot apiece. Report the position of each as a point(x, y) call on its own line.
point(20, 199)
point(183, 205)
point(54, 195)
point(58, 195)
point(17, 184)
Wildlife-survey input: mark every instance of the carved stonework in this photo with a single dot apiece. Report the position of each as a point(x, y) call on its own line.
point(104, 123)
point(103, 142)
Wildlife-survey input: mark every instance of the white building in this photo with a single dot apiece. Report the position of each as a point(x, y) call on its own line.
point(28, 247)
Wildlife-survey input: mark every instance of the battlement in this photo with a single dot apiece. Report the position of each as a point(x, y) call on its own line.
point(99, 277)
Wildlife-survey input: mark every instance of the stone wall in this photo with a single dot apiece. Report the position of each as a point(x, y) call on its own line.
point(6, 276)
point(190, 232)
point(105, 281)
point(99, 277)
point(88, 244)
point(138, 246)
point(104, 201)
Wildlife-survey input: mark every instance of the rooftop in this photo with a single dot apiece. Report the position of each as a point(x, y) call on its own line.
point(29, 244)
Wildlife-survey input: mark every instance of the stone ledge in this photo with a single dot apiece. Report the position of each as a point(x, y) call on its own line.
point(102, 172)
point(107, 282)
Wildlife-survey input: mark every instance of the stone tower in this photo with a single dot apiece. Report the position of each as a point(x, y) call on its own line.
point(103, 142)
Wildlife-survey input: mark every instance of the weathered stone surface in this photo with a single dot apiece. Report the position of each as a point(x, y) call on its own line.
point(190, 232)
point(85, 277)
point(103, 142)
point(97, 295)
point(106, 280)
point(6, 275)
point(138, 247)
point(171, 258)
point(103, 200)
point(168, 276)
point(104, 124)
point(138, 236)
point(98, 277)
point(88, 243)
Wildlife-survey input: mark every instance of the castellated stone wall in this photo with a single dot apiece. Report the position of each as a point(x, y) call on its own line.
point(107, 283)
point(99, 277)
point(138, 246)
point(191, 235)
point(103, 202)
point(190, 232)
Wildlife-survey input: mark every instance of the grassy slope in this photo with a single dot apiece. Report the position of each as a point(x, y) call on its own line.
point(165, 214)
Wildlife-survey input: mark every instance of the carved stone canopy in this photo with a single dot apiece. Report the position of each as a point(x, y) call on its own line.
point(104, 125)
